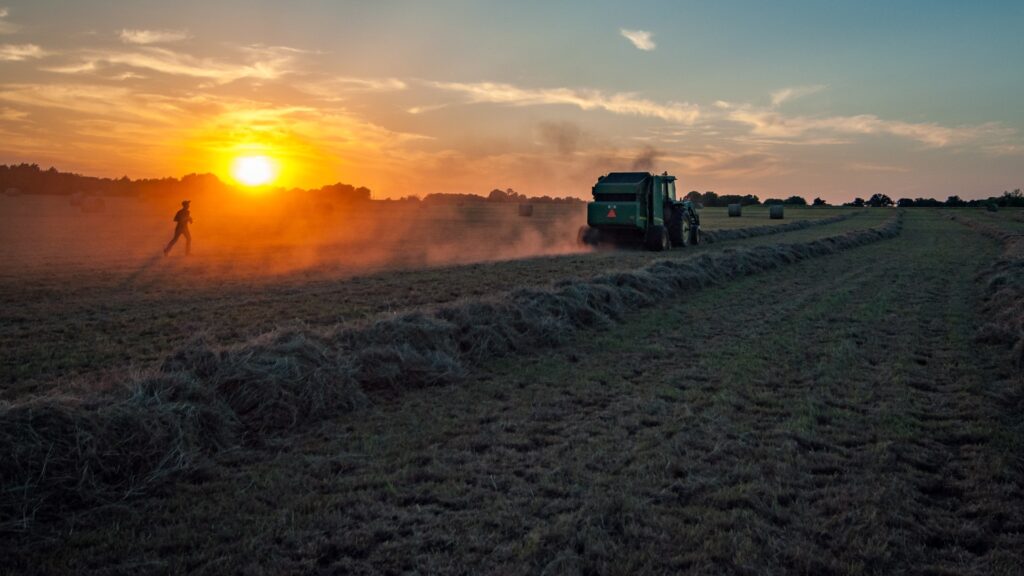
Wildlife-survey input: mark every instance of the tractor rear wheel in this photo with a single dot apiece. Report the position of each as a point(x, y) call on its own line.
point(588, 236)
point(677, 229)
point(692, 234)
point(657, 239)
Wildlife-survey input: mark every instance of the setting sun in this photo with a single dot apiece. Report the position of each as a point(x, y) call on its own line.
point(254, 170)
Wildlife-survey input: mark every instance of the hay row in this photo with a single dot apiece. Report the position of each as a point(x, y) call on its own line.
point(738, 233)
point(1004, 292)
point(61, 454)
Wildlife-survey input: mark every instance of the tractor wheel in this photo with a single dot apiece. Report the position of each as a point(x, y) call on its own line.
point(657, 239)
point(588, 236)
point(677, 230)
point(693, 235)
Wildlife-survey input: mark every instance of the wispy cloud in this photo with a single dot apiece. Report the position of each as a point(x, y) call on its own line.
point(869, 167)
point(18, 52)
point(772, 124)
point(264, 63)
point(794, 92)
point(341, 88)
point(153, 36)
point(11, 115)
point(642, 39)
point(619, 103)
point(5, 26)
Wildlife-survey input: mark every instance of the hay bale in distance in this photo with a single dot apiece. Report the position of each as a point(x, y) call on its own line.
point(735, 210)
point(775, 212)
point(992, 207)
point(526, 210)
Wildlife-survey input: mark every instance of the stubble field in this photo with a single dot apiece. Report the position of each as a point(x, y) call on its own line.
point(814, 400)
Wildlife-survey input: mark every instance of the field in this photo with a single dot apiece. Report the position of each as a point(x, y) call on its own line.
point(477, 394)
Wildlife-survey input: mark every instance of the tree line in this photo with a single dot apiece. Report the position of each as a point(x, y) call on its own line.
point(1006, 199)
point(31, 179)
point(713, 199)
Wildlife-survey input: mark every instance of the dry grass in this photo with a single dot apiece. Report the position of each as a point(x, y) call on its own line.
point(63, 454)
point(1004, 294)
point(750, 232)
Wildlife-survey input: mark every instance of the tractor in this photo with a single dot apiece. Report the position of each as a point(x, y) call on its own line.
point(639, 207)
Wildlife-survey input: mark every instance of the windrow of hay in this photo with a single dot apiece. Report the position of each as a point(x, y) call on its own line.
point(1004, 293)
point(62, 454)
point(738, 233)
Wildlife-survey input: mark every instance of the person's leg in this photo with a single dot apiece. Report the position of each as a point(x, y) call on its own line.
point(188, 242)
point(172, 242)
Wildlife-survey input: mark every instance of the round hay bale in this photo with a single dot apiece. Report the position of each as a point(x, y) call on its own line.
point(735, 210)
point(992, 208)
point(526, 210)
point(775, 212)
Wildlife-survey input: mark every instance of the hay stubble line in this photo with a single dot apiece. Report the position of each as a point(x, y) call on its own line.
point(63, 454)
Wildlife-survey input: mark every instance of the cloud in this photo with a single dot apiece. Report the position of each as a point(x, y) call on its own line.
point(772, 124)
point(642, 39)
point(153, 36)
point(340, 88)
point(618, 103)
point(794, 92)
point(265, 63)
point(869, 167)
point(12, 115)
point(18, 52)
point(5, 26)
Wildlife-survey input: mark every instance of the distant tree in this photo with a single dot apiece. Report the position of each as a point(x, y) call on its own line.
point(819, 202)
point(745, 200)
point(879, 200)
point(709, 198)
point(693, 196)
point(1015, 198)
point(795, 201)
point(955, 202)
point(926, 203)
point(769, 201)
point(905, 203)
point(858, 202)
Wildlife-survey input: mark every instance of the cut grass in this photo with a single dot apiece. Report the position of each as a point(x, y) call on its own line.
point(89, 329)
point(282, 379)
point(860, 432)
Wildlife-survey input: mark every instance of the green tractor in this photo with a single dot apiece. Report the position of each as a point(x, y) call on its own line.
point(632, 207)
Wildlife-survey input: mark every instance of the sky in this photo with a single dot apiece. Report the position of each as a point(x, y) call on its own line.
point(820, 99)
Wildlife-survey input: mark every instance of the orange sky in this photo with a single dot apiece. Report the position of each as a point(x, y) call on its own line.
point(455, 97)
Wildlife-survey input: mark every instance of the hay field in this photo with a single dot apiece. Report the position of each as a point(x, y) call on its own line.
point(816, 400)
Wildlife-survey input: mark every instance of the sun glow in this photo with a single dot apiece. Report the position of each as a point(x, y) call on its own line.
point(254, 170)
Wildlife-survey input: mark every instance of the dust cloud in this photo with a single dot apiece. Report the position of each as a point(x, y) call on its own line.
point(278, 234)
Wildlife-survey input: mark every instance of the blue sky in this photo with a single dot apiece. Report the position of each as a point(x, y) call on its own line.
point(815, 98)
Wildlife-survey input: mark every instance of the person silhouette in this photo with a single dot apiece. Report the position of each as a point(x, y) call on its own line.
point(183, 217)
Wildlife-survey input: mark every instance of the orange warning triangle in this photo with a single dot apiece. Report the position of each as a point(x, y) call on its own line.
point(611, 213)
